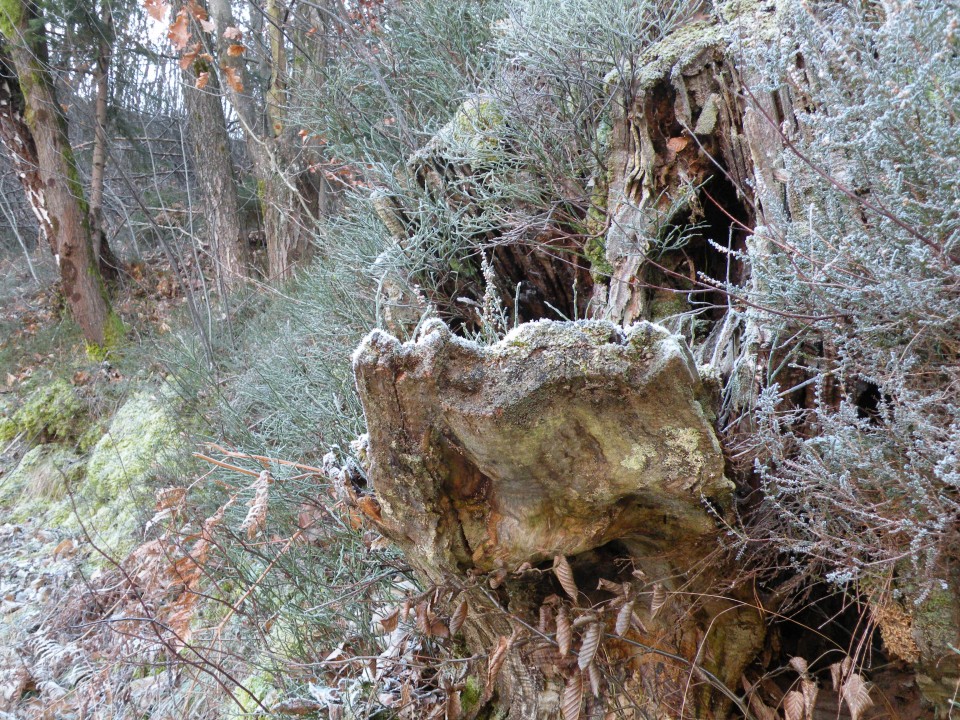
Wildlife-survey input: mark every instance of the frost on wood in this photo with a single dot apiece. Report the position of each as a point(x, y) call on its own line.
point(560, 438)
point(563, 440)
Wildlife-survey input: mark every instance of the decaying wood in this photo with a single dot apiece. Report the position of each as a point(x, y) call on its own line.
point(564, 440)
point(561, 444)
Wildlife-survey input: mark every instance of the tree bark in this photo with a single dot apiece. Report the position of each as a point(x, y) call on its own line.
point(485, 462)
point(214, 171)
point(107, 261)
point(288, 212)
point(58, 196)
point(18, 141)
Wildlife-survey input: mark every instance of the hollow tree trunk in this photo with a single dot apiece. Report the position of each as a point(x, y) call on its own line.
point(596, 445)
point(566, 443)
point(58, 196)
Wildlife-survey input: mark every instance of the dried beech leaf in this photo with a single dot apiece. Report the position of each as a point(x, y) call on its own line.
point(565, 575)
point(297, 706)
point(367, 504)
point(459, 615)
point(657, 599)
point(197, 10)
point(179, 33)
point(609, 586)
point(572, 698)
point(589, 646)
point(835, 675)
point(497, 578)
point(497, 657)
point(594, 672)
point(810, 691)
point(202, 80)
point(232, 33)
point(856, 692)
point(186, 60)
point(545, 617)
point(762, 710)
point(233, 78)
point(438, 628)
point(65, 547)
point(170, 497)
point(638, 623)
point(158, 10)
point(564, 631)
point(585, 619)
point(624, 618)
point(793, 705)
point(235, 50)
point(454, 709)
point(799, 664)
point(423, 624)
point(390, 622)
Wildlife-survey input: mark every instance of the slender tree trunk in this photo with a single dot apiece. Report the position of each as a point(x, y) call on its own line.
point(287, 220)
point(59, 195)
point(107, 260)
point(213, 168)
point(287, 228)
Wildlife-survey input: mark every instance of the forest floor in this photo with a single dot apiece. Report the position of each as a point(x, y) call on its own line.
point(50, 648)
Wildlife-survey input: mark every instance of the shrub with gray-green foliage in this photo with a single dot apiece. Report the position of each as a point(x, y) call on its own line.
point(386, 92)
point(870, 475)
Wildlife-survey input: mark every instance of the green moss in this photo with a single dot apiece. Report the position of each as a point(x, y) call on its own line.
point(52, 412)
point(255, 691)
point(43, 474)
point(142, 437)
point(596, 252)
point(114, 333)
point(8, 429)
point(11, 16)
point(675, 51)
point(471, 694)
point(668, 304)
point(476, 127)
point(935, 620)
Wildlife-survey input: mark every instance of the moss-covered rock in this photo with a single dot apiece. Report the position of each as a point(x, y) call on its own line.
point(141, 438)
point(52, 412)
point(142, 441)
point(44, 473)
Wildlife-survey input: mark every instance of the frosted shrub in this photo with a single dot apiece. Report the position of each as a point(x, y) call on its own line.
point(871, 251)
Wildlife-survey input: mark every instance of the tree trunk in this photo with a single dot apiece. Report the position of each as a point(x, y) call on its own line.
point(571, 471)
point(567, 455)
point(287, 211)
point(214, 171)
point(107, 261)
point(18, 141)
point(58, 196)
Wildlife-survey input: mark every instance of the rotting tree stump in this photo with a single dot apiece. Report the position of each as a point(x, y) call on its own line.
point(572, 443)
